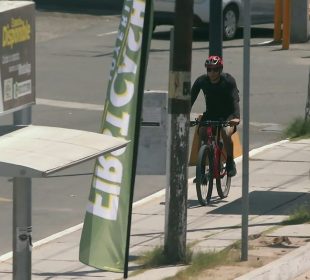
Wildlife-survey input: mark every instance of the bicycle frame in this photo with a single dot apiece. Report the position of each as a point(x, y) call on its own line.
point(214, 140)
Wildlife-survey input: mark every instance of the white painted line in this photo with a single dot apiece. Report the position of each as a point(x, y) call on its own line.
point(3, 199)
point(258, 124)
point(266, 147)
point(106, 34)
point(149, 198)
point(95, 107)
point(48, 239)
point(6, 256)
point(68, 104)
point(57, 235)
point(160, 193)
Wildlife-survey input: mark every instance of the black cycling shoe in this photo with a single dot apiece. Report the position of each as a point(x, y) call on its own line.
point(231, 168)
point(195, 180)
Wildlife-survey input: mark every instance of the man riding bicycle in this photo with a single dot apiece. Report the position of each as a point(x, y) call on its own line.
point(222, 103)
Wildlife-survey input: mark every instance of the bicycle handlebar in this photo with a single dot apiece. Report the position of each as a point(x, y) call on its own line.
point(210, 123)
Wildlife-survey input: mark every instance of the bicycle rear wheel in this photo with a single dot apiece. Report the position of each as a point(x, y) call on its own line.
point(204, 177)
point(223, 181)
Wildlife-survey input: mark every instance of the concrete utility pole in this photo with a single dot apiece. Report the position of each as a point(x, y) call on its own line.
point(179, 115)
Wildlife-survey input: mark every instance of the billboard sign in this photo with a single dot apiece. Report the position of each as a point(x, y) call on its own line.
point(17, 55)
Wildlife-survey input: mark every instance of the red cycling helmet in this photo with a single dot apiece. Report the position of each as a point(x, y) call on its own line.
point(214, 61)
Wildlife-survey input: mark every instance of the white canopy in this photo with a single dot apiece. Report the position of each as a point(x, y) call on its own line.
point(38, 151)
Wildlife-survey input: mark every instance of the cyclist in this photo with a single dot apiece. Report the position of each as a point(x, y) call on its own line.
point(222, 103)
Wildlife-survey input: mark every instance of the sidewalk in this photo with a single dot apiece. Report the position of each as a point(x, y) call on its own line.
point(279, 182)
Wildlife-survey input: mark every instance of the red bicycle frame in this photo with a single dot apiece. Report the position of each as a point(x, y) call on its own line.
point(217, 150)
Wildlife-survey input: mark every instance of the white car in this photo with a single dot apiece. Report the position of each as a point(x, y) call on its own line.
point(262, 11)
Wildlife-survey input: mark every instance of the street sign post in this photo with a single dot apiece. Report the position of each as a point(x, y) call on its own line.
point(246, 125)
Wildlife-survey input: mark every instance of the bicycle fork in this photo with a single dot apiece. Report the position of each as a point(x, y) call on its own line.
point(217, 156)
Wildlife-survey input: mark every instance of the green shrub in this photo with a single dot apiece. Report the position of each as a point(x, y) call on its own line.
point(298, 128)
point(299, 216)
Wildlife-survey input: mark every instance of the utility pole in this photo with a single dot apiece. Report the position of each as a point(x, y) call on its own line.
point(216, 28)
point(178, 119)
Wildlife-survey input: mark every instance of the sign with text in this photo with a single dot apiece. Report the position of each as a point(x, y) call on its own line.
point(105, 235)
point(17, 55)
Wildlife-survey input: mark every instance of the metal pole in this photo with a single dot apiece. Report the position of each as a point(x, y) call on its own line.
point(287, 7)
point(278, 9)
point(178, 114)
point(307, 109)
point(246, 117)
point(22, 225)
point(216, 28)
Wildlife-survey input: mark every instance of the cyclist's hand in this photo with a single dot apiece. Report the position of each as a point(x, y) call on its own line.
point(234, 122)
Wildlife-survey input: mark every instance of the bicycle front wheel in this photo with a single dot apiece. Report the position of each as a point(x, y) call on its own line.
point(223, 181)
point(204, 177)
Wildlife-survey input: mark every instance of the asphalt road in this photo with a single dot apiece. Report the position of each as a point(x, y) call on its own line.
point(73, 61)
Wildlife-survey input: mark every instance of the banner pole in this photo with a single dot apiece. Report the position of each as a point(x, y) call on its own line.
point(143, 65)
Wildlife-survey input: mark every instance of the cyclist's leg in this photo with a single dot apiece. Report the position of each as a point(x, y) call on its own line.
point(202, 132)
point(227, 132)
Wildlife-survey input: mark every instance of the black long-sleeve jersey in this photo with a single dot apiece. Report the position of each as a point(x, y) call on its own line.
point(222, 98)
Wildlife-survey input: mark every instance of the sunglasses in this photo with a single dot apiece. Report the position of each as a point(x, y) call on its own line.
point(216, 70)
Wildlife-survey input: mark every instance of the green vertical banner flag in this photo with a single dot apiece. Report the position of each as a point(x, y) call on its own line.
point(105, 238)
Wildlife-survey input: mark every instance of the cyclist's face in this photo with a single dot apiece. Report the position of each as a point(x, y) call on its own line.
point(214, 74)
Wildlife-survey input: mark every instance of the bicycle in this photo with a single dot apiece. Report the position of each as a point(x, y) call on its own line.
point(211, 163)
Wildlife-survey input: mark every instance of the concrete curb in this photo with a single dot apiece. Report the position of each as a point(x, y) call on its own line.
point(287, 267)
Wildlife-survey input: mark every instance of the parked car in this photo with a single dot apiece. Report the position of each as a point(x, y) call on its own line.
point(261, 12)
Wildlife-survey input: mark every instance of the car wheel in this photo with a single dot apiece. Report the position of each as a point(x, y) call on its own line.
point(230, 22)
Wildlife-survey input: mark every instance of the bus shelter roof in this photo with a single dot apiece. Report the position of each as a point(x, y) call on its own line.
point(38, 151)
